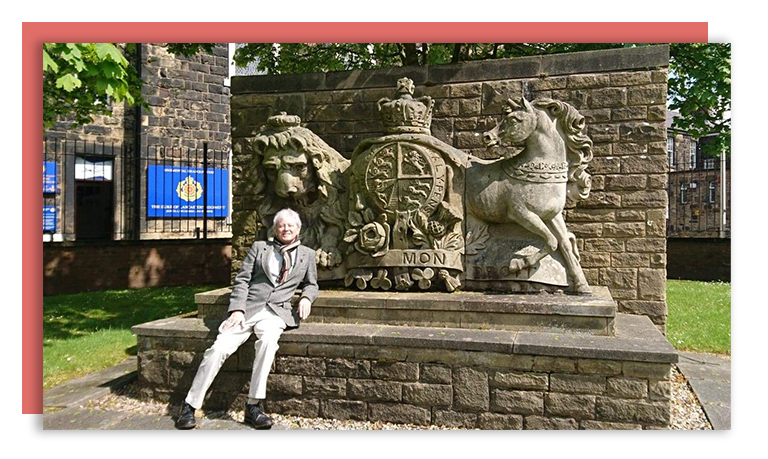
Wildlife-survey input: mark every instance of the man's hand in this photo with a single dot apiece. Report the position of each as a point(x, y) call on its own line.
point(305, 307)
point(234, 319)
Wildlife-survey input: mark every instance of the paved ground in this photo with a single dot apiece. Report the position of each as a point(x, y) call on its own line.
point(710, 378)
point(708, 374)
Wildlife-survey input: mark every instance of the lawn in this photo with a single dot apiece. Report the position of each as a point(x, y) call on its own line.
point(88, 332)
point(699, 316)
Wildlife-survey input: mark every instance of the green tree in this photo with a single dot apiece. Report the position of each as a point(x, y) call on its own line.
point(699, 79)
point(84, 79)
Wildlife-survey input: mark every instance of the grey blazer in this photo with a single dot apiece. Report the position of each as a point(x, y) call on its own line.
point(253, 287)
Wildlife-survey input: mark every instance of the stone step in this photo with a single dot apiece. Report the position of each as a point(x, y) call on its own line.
point(542, 312)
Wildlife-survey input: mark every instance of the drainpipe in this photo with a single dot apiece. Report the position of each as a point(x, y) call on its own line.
point(723, 194)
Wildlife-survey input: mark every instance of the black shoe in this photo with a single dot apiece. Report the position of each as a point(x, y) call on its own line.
point(186, 419)
point(255, 417)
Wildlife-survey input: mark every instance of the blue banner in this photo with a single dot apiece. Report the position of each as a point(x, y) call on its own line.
point(49, 219)
point(49, 177)
point(177, 191)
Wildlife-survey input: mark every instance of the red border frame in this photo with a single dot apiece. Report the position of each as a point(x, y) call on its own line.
point(34, 34)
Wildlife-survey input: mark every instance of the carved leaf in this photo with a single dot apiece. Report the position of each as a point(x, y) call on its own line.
point(355, 218)
point(476, 239)
point(351, 235)
point(452, 241)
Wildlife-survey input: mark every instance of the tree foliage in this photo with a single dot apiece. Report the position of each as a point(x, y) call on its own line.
point(84, 79)
point(700, 89)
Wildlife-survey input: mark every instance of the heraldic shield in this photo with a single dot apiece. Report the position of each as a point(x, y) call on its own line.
point(405, 210)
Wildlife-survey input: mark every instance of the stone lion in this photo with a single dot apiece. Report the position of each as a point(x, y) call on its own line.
point(295, 168)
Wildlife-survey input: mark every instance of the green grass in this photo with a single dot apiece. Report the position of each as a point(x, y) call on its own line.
point(88, 332)
point(699, 316)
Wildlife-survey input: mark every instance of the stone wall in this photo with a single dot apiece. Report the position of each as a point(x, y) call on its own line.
point(81, 267)
point(622, 94)
point(465, 378)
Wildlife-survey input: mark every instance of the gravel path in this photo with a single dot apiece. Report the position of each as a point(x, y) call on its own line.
point(686, 412)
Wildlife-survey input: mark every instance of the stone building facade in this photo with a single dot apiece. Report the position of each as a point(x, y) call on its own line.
point(622, 94)
point(99, 174)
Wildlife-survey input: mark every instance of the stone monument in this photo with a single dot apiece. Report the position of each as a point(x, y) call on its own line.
point(452, 291)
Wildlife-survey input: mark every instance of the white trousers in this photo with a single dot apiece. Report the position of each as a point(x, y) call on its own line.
point(268, 327)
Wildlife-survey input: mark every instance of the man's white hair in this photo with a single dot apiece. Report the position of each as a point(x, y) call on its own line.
point(289, 215)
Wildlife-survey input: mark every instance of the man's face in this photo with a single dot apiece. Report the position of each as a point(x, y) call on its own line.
point(286, 230)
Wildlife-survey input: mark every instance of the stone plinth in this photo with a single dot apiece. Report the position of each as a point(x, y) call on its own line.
point(487, 379)
point(554, 312)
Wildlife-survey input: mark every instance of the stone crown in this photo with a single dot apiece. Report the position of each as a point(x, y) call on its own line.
point(283, 121)
point(404, 113)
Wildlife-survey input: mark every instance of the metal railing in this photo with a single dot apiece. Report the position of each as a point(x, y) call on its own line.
point(114, 191)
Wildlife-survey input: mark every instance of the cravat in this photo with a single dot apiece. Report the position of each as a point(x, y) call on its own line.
point(286, 253)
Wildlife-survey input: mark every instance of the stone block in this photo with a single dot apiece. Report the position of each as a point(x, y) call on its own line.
point(380, 353)
point(620, 278)
point(639, 132)
point(515, 380)
point(652, 371)
point(466, 90)
point(630, 78)
point(602, 425)
point(629, 113)
point(399, 413)
point(596, 366)
point(395, 371)
point(603, 133)
point(449, 418)
point(626, 182)
point(544, 423)
point(596, 115)
point(495, 421)
point(435, 374)
point(547, 83)
point(469, 107)
point(348, 368)
point(330, 350)
point(630, 260)
point(517, 402)
point(630, 215)
point(650, 245)
point(645, 199)
point(428, 394)
point(624, 229)
point(374, 390)
point(627, 387)
point(647, 95)
point(470, 390)
point(608, 97)
point(605, 165)
point(284, 384)
point(660, 390)
point(577, 384)
point(545, 363)
point(604, 245)
point(325, 387)
point(569, 406)
point(634, 411)
point(344, 409)
point(651, 283)
point(307, 366)
point(308, 408)
point(587, 81)
point(644, 307)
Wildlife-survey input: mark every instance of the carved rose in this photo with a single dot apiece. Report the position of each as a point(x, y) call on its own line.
point(374, 238)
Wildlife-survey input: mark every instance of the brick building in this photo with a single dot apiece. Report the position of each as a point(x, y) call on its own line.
point(156, 174)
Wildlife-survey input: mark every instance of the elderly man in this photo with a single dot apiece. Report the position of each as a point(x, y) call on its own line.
point(261, 304)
